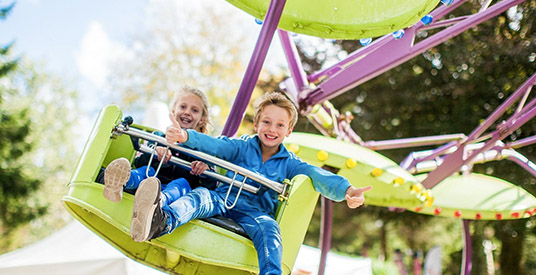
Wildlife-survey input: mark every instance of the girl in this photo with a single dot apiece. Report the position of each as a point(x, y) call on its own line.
point(190, 108)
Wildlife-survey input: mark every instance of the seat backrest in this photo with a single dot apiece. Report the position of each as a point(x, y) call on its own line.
point(295, 219)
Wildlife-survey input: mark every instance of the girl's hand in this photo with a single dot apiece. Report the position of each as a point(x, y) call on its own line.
point(355, 197)
point(174, 132)
point(198, 167)
point(163, 152)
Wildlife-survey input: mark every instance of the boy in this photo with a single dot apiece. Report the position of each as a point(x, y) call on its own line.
point(263, 153)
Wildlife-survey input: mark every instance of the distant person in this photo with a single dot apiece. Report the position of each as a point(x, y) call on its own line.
point(417, 263)
point(190, 109)
point(432, 261)
point(263, 153)
point(399, 262)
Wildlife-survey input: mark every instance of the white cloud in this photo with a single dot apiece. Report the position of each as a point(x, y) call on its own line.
point(95, 53)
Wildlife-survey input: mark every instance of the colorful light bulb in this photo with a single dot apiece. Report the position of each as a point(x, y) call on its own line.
point(447, 2)
point(427, 19)
point(398, 34)
point(365, 41)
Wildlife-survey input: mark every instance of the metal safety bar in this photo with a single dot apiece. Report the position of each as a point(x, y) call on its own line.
point(237, 194)
point(278, 187)
point(187, 165)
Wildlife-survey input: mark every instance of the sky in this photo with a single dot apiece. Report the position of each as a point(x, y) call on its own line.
point(76, 39)
point(55, 32)
point(62, 32)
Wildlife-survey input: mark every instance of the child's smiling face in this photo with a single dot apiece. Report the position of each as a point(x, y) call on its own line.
point(189, 111)
point(272, 127)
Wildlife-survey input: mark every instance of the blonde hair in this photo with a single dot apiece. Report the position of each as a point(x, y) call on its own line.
point(279, 100)
point(205, 118)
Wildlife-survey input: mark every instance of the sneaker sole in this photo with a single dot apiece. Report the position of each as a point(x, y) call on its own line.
point(116, 176)
point(145, 203)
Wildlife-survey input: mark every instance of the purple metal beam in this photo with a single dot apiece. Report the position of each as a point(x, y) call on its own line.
point(467, 249)
point(294, 63)
point(393, 53)
point(412, 142)
point(271, 20)
point(453, 162)
point(410, 162)
point(460, 157)
point(522, 142)
point(351, 58)
point(355, 56)
point(513, 122)
point(519, 93)
point(520, 160)
point(348, 133)
point(498, 152)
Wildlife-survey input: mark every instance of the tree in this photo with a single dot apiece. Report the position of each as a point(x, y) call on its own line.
point(16, 181)
point(37, 148)
point(198, 45)
point(47, 115)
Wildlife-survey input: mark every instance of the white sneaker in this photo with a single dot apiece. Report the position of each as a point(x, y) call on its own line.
point(148, 220)
point(116, 176)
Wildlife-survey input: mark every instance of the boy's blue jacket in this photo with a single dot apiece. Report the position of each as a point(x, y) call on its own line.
point(246, 152)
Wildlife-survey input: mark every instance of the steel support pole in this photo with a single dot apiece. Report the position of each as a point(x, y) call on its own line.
point(271, 20)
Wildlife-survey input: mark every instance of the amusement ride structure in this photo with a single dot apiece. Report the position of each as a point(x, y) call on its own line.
point(427, 182)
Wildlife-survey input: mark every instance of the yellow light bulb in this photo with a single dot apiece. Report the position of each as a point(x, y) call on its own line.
point(322, 155)
point(351, 163)
point(376, 172)
point(398, 181)
point(294, 148)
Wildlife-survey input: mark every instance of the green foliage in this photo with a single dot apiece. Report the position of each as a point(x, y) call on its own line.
point(4, 11)
point(383, 268)
point(37, 150)
point(7, 65)
point(16, 181)
point(181, 47)
point(50, 118)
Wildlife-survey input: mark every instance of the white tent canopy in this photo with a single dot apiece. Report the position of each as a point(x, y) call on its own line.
point(309, 257)
point(75, 250)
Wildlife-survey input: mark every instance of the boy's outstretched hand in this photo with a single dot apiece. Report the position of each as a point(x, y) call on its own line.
point(355, 197)
point(174, 132)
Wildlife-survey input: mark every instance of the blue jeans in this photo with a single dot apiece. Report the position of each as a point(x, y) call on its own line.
point(260, 227)
point(171, 191)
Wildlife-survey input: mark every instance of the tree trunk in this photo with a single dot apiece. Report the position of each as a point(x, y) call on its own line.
point(512, 235)
point(383, 238)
